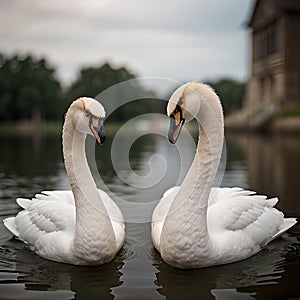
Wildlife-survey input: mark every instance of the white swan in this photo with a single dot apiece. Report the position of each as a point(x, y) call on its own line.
point(195, 225)
point(83, 226)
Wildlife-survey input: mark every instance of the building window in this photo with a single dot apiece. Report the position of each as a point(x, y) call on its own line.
point(265, 41)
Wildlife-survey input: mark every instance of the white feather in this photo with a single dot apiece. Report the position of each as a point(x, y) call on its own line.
point(198, 226)
point(83, 226)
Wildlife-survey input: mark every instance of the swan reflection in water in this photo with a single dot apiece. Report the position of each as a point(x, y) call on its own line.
point(240, 280)
point(37, 278)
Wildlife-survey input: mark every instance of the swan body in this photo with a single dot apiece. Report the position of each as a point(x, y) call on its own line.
point(195, 225)
point(82, 226)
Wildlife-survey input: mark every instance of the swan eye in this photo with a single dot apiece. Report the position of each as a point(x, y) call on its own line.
point(180, 102)
point(87, 113)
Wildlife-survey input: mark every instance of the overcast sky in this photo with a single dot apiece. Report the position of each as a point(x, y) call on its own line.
point(180, 40)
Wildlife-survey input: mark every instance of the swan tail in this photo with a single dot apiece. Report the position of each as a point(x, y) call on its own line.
point(11, 225)
point(22, 202)
point(286, 225)
point(272, 202)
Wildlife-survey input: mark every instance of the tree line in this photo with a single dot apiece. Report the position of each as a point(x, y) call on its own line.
point(29, 89)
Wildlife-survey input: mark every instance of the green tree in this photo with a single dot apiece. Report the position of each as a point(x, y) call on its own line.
point(94, 80)
point(28, 89)
point(231, 93)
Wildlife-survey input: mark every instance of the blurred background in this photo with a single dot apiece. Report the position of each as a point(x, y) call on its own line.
point(53, 52)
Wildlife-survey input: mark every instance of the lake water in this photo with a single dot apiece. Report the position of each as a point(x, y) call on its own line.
point(147, 164)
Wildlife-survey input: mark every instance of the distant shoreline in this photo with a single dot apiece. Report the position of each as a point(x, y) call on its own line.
point(28, 128)
point(282, 125)
point(45, 128)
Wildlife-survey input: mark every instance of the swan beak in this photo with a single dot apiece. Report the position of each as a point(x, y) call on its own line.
point(98, 130)
point(176, 123)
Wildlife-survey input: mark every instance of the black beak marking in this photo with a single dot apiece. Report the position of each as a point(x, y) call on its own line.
point(99, 131)
point(176, 123)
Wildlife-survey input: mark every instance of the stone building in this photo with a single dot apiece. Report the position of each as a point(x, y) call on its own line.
point(275, 65)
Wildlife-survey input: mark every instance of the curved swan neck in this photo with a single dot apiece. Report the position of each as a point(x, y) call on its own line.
point(190, 204)
point(92, 220)
point(196, 186)
point(74, 155)
point(195, 189)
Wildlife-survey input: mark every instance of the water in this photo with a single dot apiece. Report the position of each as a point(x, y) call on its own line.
point(268, 164)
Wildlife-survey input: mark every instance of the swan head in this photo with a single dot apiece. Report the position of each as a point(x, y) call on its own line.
point(88, 115)
point(183, 106)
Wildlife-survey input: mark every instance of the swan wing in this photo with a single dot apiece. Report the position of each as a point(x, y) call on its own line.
point(242, 211)
point(112, 209)
point(61, 196)
point(46, 224)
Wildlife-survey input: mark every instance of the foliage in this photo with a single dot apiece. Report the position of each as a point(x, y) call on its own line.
point(230, 92)
point(94, 80)
point(28, 89)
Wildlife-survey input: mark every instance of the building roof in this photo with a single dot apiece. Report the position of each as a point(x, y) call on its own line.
point(265, 11)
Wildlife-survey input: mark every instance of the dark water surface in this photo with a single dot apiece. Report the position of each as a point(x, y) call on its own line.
point(267, 164)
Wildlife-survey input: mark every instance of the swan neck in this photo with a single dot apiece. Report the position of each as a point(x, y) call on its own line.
point(196, 186)
point(82, 183)
point(191, 202)
point(185, 237)
point(75, 158)
point(92, 220)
